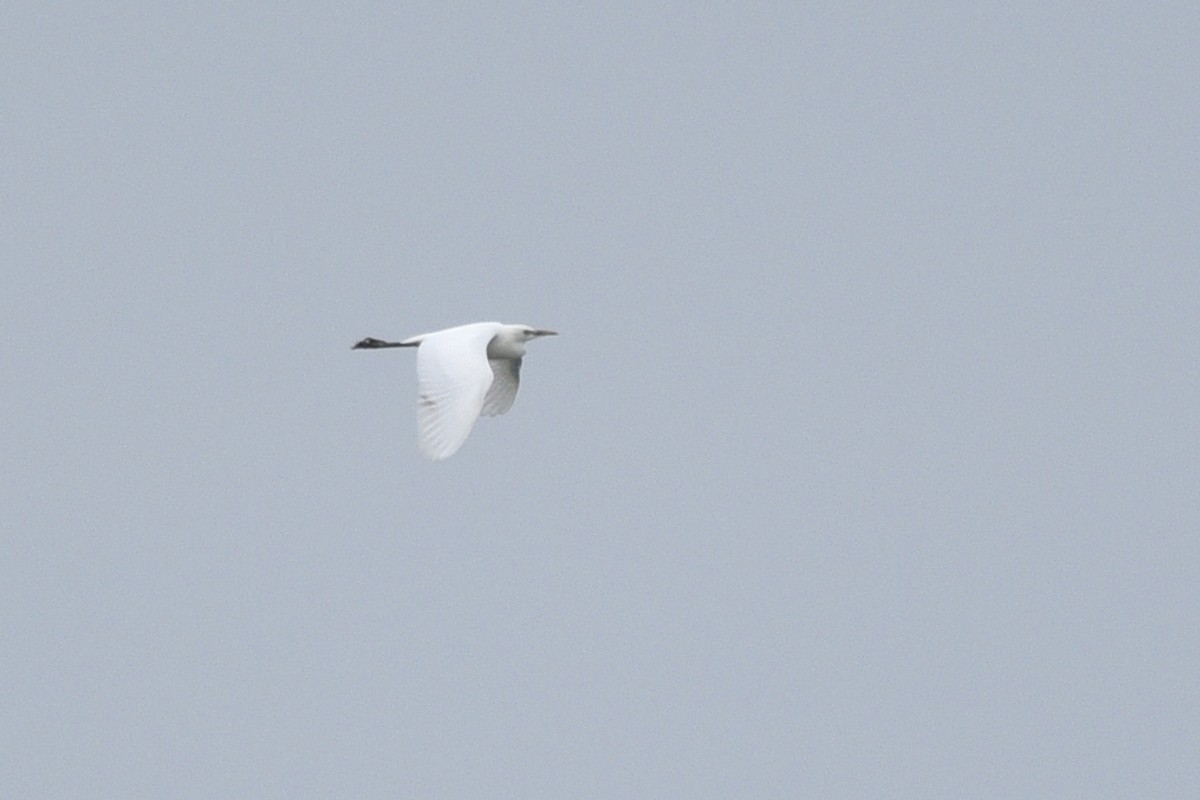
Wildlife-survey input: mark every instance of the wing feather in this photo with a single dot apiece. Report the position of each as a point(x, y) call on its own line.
point(453, 378)
point(506, 376)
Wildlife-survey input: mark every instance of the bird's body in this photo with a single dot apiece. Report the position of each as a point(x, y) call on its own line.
point(463, 373)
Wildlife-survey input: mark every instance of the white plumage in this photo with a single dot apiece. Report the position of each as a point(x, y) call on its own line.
point(463, 373)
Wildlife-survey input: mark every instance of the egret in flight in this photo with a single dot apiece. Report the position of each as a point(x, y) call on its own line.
point(461, 373)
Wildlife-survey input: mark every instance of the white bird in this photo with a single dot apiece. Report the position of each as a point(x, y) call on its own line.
point(461, 373)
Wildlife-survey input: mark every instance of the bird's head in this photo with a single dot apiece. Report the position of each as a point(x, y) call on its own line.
point(510, 340)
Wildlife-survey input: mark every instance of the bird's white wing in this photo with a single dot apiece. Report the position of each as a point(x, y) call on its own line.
point(453, 377)
point(506, 375)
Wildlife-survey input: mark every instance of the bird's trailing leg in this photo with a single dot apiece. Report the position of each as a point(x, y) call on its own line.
point(374, 344)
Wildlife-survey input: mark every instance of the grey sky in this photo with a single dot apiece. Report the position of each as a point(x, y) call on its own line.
point(865, 464)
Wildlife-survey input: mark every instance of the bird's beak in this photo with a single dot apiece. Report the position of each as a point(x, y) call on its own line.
point(545, 333)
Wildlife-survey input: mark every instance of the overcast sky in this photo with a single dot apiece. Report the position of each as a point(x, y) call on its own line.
point(866, 464)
